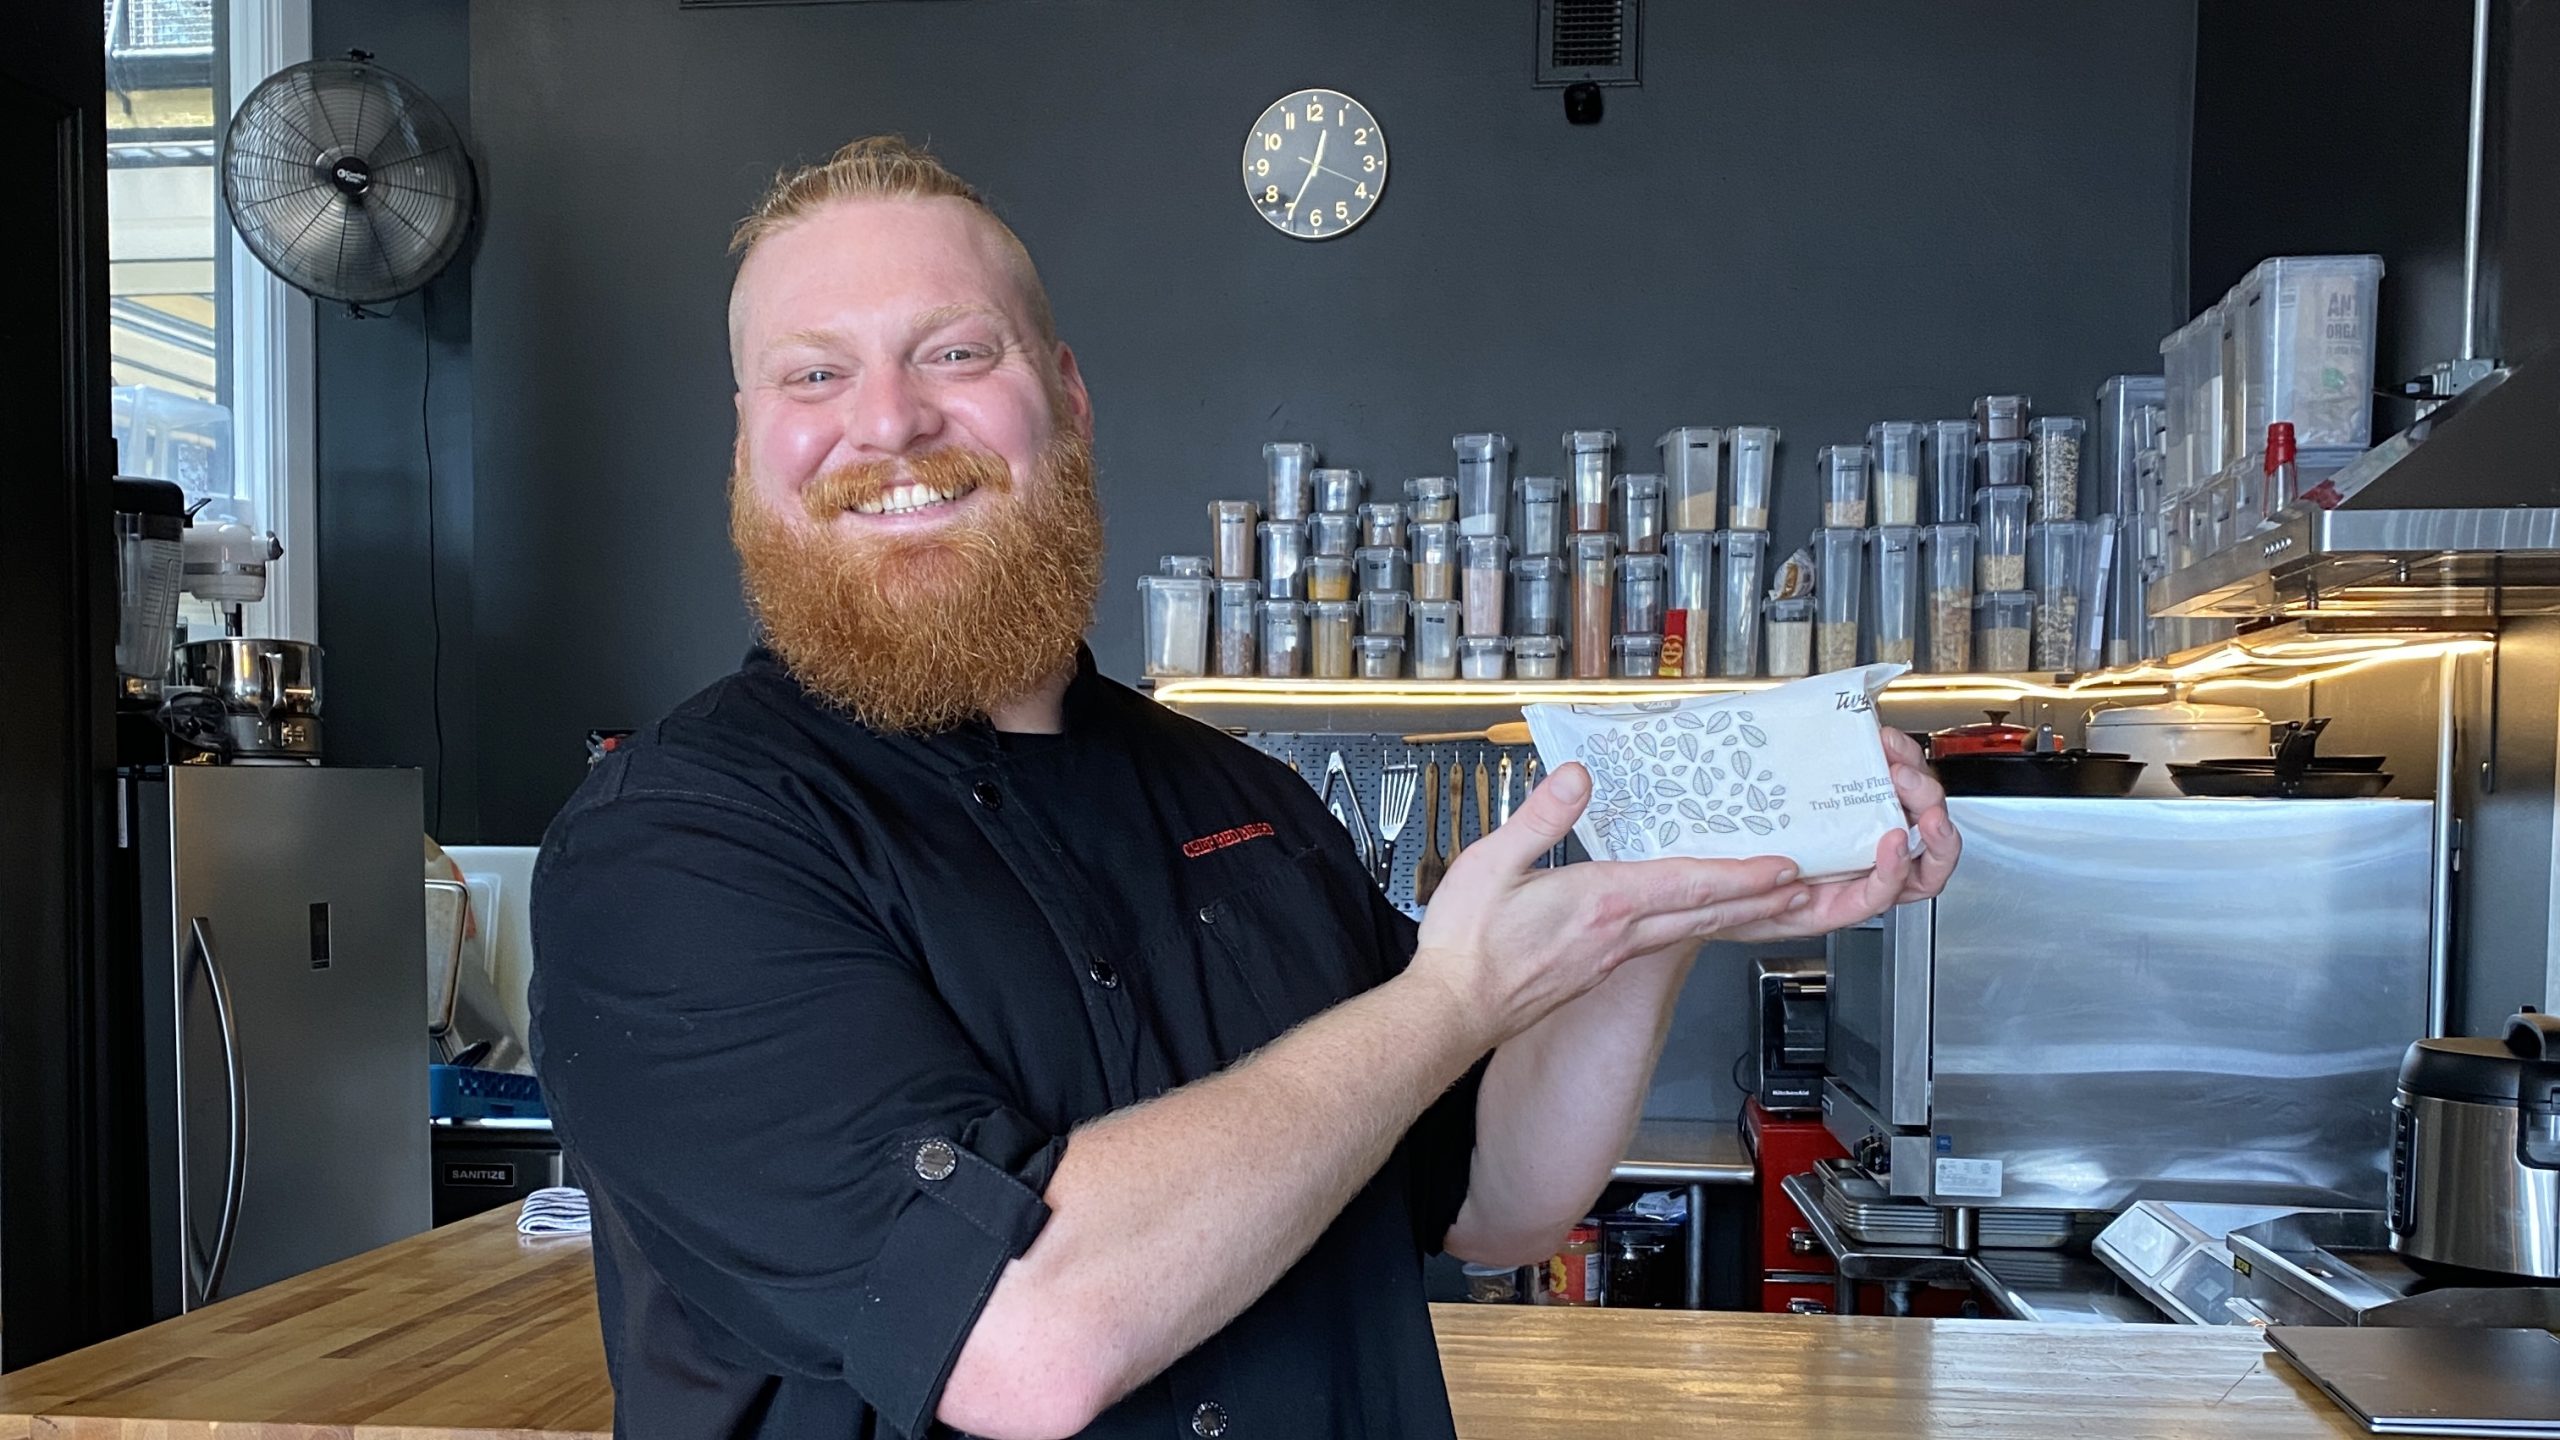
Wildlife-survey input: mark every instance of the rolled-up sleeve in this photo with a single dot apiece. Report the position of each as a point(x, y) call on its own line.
point(772, 1099)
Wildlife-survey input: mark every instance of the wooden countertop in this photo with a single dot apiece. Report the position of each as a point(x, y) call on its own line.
point(473, 1331)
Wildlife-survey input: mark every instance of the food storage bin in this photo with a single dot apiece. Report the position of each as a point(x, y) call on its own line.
point(1895, 458)
point(1328, 577)
point(1946, 555)
point(1537, 595)
point(1231, 538)
point(1741, 565)
point(1843, 481)
point(1386, 612)
point(2303, 330)
point(2000, 520)
point(2003, 631)
point(1483, 657)
point(1284, 639)
point(1484, 482)
point(1537, 657)
point(1188, 567)
point(2006, 463)
point(1839, 559)
point(1432, 498)
point(1893, 595)
point(1284, 555)
point(2192, 403)
point(1435, 639)
point(1639, 657)
point(2002, 417)
point(1235, 647)
point(1289, 465)
point(1337, 490)
point(2058, 441)
point(1329, 632)
point(1690, 605)
point(1753, 484)
point(1692, 476)
point(1951, 470)
point(1378, 657)
point(2124, 484)
point(1635, 504)
point(1586, 456)
point(1175, 609)
point(1791, 637)
point(1332, 532)
point(1590, 560)
point(1435, 560)
point(1538, 526)
point(1643, 583)
point(1484, 574)
point(1379, 567)
point(2057, 560)
point(1382, 524)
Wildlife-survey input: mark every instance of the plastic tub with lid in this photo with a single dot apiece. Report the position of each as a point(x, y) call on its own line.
point(2178, 732)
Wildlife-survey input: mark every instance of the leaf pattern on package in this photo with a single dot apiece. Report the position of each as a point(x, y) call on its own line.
point(1758, 825)
point(1669, 787)
point(1776, 791)
point(1687, 720)
point(1785, 820)
point(1648, 744)
point(1752, 734)
point(1736, 790)
point(1723, 826)
point(1719, 722)
point(1759, 798)
point(1732, 739)
point(1768, 775)
point(1693, 810)
point(1689, 746)
point(1670, 832)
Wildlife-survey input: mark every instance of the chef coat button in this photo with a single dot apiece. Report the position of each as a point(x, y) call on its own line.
point(935, 1160)
point(1208, 914)
point(1103, 975)
point(986, 793)
point(1209, 1421)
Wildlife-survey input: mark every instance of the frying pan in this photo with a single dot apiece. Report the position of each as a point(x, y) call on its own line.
point(2293, 774)
point(2082, 773)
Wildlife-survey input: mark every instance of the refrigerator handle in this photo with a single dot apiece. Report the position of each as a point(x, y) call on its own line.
point(235, 1163)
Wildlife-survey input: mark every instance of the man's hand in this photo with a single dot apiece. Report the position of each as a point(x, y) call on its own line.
point(1899, 877)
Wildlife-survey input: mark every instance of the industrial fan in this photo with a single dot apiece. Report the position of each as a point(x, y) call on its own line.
point(346, 180)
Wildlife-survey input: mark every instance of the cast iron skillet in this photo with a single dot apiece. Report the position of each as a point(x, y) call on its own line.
point(2081, 773)
point(2293, 774)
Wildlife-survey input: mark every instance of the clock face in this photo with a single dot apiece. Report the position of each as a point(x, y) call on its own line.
point(1314, 164)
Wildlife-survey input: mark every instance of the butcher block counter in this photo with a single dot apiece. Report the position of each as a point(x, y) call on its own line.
point(473, 1331)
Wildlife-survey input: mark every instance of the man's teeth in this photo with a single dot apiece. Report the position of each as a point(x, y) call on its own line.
point(905, 498)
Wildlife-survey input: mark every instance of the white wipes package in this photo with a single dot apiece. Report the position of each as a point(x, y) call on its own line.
point(1798, 770)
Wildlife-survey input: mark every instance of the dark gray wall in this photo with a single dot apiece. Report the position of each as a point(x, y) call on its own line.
point(1808, 215)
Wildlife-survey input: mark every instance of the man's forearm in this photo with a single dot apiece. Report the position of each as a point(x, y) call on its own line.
point(1558, 1104)
point(1233, 1177)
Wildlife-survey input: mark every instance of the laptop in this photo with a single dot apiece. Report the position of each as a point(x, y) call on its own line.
point(2433, 1382)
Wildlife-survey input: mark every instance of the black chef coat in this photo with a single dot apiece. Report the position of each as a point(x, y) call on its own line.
point(817, 1009)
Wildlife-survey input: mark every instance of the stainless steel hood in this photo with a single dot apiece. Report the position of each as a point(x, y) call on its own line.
point(2458, 516)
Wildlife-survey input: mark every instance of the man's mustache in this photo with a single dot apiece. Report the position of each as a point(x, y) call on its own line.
point(953, 469)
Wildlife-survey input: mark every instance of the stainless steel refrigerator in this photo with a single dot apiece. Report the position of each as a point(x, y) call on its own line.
point(284, 999)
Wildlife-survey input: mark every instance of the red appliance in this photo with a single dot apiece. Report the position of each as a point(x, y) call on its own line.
point(1795, 1270)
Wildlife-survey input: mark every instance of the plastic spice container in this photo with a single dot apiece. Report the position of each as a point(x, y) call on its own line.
point(1537, 595)
point(1893, 594)
point(1951, 447)
point(2058, 441)
point(1284, 554)
point(1755, 477)
point(2000, 516)
point(1693, 470)
point(1338, 490)
point(1643, 583)
point(1435, 639)
point(1386, 612)
point(1331, 532)
point(1946, 556)
point(2002, 417)
point(1288, 464)
point(1483, 657)
point(1176, 615)
point(1382, 523)
point(1328, 577)
point(1231, 544)
point(1839, 557)
point(1484, 482)
point(1843, 469)
point(1284, 639)
point(1587, 585)
point(2003, 628)
point(1791, 637)
point(1236, 599)
point(1485, 573)
point(1635, 511)
point(1188, 567)
point(1587, 454)
point(2057, 560)
point(1639, 657)
point(1435, 560)
point(1537, 657)
point(1431, 498)
point(1741, 564)
point(2007, 462)
point(2303, 329)
point(1378, 657)
point(1690, 605)
point(1380, 567)
point(1894, 451)
point(1539, 522)
point(1329, 631)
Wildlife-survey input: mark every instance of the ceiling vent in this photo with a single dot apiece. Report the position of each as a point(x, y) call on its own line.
point(1588, 41)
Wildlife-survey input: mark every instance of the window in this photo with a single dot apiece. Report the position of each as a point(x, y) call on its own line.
point(211, 354)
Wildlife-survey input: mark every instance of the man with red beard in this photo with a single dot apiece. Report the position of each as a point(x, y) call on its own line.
point(950, 1039)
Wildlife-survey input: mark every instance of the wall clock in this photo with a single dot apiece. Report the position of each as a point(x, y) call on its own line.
point(1315, 164)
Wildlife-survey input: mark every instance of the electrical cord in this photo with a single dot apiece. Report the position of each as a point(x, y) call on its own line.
point(435, 602)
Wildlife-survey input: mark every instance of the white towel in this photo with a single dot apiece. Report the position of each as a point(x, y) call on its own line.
point(554, 1210)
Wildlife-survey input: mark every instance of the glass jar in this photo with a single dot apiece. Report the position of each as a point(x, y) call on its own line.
point(1587, 454)
point(1231, 544)
point(1287, 465)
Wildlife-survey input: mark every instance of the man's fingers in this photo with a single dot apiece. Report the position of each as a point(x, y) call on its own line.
point(1709, 922)
point(1544, 818)
point(1941, 847)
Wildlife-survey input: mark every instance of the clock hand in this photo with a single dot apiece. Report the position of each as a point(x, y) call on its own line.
point(1313, 165)
point(1336, 174)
